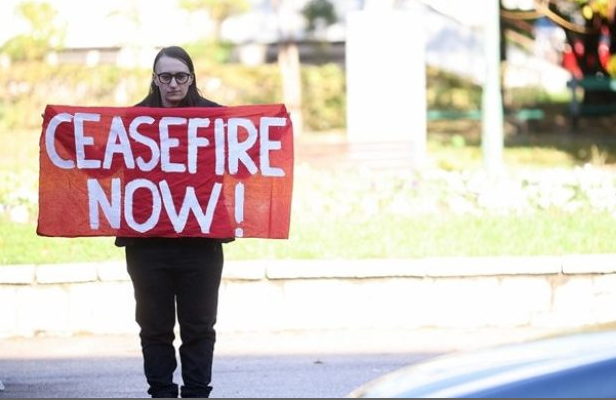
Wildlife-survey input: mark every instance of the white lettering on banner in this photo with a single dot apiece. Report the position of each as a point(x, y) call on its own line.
point(81, 140)
point(235, 140)
point(167, 143)
point(238, 151)
point(111, 205)
point(194, 142)
point(268, 145)
point(190, 203)
point(219, 137)
point(118, 143)
point(111, 209)
point(129, 215)
point(146, 141)
point(239, 208)
point(50, 141)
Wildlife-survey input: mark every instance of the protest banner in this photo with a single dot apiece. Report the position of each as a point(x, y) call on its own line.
point(219, 172)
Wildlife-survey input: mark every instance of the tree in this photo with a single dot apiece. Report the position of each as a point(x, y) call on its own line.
point(590, 29)
point(43, 35)
point(290, 69)
point(319, 13)
point(218, 10)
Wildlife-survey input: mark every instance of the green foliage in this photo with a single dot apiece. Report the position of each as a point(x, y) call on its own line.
point(324, 97)
point(236, 84)
point(43, 34)
point(219, 10)
point(527, 95)
point(33, 85)
point(590, 7)
point(357, 214)
point(211, 51)
point(26, 47)
point(318, 12)
point(450, 92)
point(29, 88)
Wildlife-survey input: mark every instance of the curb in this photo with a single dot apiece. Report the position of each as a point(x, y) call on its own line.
point(349, 295)
point(272, 270)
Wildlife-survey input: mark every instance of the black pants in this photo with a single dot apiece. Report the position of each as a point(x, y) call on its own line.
point(166, 272)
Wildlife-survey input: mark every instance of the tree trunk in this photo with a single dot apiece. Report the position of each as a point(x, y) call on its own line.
point(290, 71)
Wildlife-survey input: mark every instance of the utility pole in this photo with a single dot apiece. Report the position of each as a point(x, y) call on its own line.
point(492, 138)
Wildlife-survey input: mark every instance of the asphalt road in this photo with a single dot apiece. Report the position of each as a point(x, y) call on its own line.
point(236, 377)
point(262, 365)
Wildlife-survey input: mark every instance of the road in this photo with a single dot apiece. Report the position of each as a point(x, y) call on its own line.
point(257, 365)
point(234, 377)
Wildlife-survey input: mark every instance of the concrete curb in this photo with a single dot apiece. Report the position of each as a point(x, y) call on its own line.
point(255, 270)
point(291, 295)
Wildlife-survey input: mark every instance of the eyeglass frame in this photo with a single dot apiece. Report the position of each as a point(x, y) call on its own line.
point(174, 76)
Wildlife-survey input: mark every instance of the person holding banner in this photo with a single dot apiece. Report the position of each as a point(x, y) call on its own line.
point(166, 272)
point(172, 178)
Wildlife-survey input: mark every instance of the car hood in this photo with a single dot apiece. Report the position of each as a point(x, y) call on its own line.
point(466, 374)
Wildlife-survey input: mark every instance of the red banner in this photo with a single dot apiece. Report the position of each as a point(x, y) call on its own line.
point(219, 172)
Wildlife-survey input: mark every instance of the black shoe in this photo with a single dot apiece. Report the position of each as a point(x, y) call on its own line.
point(201, 393)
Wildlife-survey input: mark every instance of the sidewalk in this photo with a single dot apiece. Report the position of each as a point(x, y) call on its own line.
point(369, 341)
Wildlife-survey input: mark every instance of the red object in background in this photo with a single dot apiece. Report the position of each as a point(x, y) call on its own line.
point(604, 47)
point(156, 172)
point(569, 58)
point(569, 61)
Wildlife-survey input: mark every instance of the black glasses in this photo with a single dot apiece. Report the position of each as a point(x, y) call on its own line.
point(180, 77)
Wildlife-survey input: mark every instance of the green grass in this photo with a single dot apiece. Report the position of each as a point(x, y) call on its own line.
point(345, 214)
point(19, 244)
point(19, 150)
point(547, 233)
point(430, 236)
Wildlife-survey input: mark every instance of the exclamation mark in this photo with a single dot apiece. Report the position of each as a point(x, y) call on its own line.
point(239, 209)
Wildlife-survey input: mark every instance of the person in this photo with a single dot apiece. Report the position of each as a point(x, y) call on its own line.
point(169, 271)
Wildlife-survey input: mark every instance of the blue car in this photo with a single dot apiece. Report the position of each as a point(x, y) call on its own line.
point(581, 365)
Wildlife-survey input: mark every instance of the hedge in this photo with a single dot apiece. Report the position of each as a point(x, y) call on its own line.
point(29, 87)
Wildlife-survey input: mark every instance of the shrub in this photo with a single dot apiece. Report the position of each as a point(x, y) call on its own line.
point(30, 86)
point(324, 97)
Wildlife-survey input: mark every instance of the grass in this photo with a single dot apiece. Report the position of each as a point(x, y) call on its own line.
point(331, 220)
point(431, 236)
point(19, 244)
point(549, 233)
point(19, 150)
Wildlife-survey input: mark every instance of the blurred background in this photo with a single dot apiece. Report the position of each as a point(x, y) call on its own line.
point(424, 127)
point(454, 168)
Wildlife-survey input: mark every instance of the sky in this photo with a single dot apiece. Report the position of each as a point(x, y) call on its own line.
point(92, 23)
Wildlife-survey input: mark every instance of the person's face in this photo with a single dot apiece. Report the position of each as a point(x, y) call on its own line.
point(172, 92)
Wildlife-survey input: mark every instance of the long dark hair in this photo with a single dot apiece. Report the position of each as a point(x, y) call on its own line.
point(193, 97)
